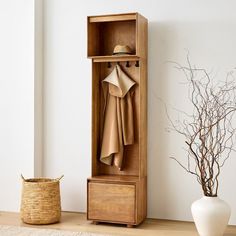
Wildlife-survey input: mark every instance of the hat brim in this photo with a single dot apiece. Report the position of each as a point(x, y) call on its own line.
point(121, 53)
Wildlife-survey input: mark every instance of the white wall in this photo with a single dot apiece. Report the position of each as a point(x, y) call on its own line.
point(38, 86)
point(16, 99)
point(206, 28)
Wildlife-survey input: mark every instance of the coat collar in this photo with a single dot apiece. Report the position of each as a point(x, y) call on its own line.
point(119, 82)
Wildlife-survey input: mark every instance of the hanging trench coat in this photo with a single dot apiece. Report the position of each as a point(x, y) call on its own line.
point(118, 128)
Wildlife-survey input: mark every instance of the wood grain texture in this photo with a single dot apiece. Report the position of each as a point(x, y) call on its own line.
point(141, 200)
point(142, 48)
point(114, 58)
point(143, 119)
point(77, 222)
point(95, 116)
point(115, 178)
point(131, 152)
point(113, 17)
point(93, 39)
point(117, 33)
point(104, 36)
point(141, 36)
point(109, 188)
point(111, 202)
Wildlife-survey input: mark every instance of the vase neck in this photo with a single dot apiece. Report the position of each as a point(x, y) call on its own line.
point(210, 198)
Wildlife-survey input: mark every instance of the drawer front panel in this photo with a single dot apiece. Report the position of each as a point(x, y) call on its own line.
point(111, 202)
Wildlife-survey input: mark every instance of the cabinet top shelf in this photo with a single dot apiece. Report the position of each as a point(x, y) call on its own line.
point(114, 58)
point(115, 178)
point(113, 17)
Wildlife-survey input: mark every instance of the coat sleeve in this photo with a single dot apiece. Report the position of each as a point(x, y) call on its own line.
point(127, 119)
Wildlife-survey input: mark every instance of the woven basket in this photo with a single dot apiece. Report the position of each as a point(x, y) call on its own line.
point(40, 202)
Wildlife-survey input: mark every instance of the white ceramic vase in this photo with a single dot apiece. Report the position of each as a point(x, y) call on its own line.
point(211, 216)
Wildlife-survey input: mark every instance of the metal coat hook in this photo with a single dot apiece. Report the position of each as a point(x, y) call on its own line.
point(137, 63)
point(127, 64)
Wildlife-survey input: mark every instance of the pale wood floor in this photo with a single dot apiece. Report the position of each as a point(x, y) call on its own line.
point(77, 222)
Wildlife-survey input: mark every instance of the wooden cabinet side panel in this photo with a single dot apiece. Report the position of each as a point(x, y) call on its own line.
point(143, 120)
point(142, 42)
point(111, 202)
point(141, 200)
point(141, 36)
point(95, 116)
point(93, 39)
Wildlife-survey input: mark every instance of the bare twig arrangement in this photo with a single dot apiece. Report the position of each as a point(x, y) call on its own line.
point(208, 131)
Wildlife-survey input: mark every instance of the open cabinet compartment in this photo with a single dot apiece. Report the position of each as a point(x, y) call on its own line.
point(113, 195)
point(106, 31)
point(131, 164)
point(110, 34)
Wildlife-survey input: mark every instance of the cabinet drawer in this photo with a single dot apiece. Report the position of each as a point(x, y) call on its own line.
point(111, 202)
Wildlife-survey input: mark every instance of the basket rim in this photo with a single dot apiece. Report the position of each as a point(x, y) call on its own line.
point(41, 180)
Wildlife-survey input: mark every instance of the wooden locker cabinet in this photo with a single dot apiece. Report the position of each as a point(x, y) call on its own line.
point(112, 195)
point(112, 201)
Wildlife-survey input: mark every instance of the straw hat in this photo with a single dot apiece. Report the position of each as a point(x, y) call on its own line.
point(122, 49)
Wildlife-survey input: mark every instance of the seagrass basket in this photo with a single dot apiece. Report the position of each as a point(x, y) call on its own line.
point(40, 202)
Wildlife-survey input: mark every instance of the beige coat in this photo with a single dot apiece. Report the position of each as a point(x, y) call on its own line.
point(118, 128)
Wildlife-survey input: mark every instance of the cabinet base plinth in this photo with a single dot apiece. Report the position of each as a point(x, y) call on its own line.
point(130, 226)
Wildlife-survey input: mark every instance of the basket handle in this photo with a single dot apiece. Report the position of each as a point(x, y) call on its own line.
point(58, 179)
point(22, 177)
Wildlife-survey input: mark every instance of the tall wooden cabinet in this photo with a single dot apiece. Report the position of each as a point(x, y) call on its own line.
point(113, 195)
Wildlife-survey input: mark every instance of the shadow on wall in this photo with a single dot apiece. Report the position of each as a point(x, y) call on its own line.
point(211, 46)
point(157, 86)
point(163, 198)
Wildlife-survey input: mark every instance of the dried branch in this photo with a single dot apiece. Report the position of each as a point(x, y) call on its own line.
point(208, 130)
